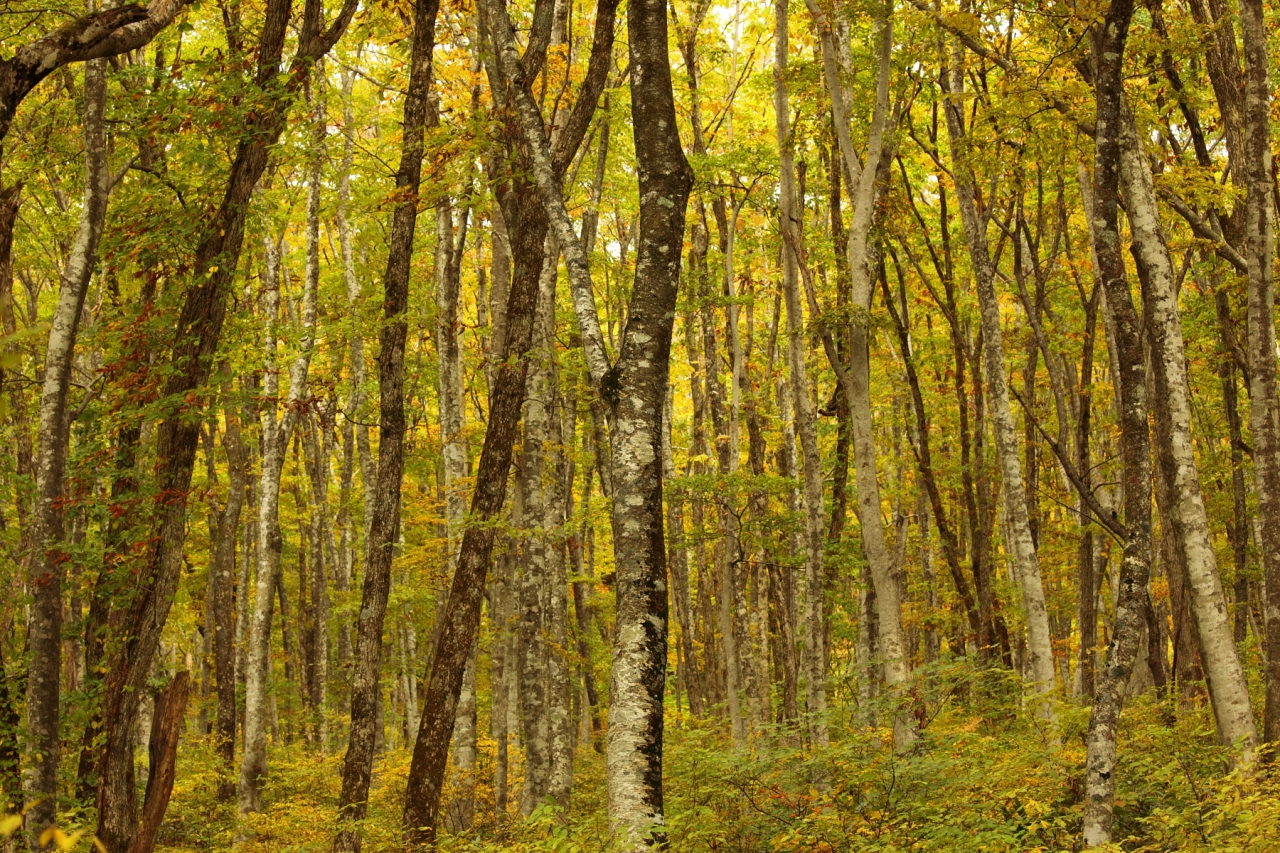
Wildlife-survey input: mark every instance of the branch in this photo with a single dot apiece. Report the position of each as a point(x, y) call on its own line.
point(1004, 63)
point(1105, 518)
point(98, 35)
point(1204, 230)
point(550, 193)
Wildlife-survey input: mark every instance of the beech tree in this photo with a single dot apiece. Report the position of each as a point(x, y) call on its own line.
point(783, 433)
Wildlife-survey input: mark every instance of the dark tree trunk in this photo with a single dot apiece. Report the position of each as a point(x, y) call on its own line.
point(10, 759)
point(140, 623)
point(222, 595)
point(166, 726)
point(637, 389)
point(384, 530)
point(461, 614)
point(1086, 609)
point(526, 221)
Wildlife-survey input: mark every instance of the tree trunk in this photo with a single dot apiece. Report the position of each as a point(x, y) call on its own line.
point(222, 584)
point(525, 217)
point(1228, 690)
point(198, 330)
point(814, 643)
point(166, 726)
point(44, 628)
point(637, 390)
point(1264, 417)
point(385, 523)
point(855, 375)
point(1086, 601)
point(276, 434)
point(1026, 564)
point(1135, 446)
point(533, 652)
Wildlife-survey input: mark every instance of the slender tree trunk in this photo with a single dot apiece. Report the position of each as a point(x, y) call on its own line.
point(533, 653)
point(222, 584)
point(354, 430)
point(1026, 564)
point(814, 643)
point(276, 434)
point(454, 453)
point(1264, 417)
point(384, 529)
point(1239, 524)
point(1228, 690)
point(316, 448)
point(44, 627)
point(1135, 445)
point(1086, 602)
point(855, 376)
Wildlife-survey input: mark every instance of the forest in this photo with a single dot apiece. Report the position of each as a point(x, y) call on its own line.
point(599, 427)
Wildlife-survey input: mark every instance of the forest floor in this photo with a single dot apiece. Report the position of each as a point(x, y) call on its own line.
point(986, 777)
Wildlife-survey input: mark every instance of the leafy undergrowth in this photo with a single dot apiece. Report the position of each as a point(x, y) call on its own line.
point(980, 780)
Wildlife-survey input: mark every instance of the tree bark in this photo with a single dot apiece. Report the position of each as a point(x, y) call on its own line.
point(1228, 691)
point(525, 218)
point(814, 642)
point(384, 530)
point(44, 628)
point(1135, 446)
point(1264, 416)
point(637, 390)
point(855, 376)
point(222, 594)
point(166, 726)
point(276, 434)
point(97, 35)
point(1026, 563)
point(199, 327)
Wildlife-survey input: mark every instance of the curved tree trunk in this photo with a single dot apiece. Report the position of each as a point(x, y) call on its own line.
point(44, 628)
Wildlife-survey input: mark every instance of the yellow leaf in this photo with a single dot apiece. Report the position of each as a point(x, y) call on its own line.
point(9, 824)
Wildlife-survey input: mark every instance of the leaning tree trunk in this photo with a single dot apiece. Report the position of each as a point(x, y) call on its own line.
point(139, 625)
point(525, 216)
point(384, 530)
point(44, 628)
